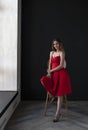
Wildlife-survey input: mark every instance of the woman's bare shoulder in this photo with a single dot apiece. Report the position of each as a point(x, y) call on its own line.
point(51, 52)
point(62, 53)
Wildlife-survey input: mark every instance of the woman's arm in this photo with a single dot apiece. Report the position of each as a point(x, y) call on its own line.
point(62, 59)
point(65, 64)
point(49, 64)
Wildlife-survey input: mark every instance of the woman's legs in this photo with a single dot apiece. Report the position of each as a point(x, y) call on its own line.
point(58, 110)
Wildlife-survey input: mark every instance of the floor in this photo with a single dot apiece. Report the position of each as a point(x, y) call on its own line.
point(30, 116)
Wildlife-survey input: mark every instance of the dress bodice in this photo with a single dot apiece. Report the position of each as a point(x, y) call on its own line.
point(55, 61)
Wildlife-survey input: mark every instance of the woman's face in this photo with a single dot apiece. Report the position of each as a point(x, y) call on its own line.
point(56, 45)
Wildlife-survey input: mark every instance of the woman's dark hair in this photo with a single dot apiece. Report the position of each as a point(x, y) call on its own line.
point(61, 48)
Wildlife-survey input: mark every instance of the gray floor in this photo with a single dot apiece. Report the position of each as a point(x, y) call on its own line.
point(30, 116)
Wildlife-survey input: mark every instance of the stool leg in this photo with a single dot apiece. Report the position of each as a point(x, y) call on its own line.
point(46, 103)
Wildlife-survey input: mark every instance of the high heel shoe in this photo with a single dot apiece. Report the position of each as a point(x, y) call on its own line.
point(57, 118)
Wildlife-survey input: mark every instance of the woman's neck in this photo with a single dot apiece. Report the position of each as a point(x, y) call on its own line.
point(57, 50)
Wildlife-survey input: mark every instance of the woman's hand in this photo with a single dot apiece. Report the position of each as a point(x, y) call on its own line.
point(49, 73)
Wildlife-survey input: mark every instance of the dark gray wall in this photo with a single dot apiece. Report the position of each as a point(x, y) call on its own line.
point(42, 20)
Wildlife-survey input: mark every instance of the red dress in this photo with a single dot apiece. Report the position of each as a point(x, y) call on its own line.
point(59, 83)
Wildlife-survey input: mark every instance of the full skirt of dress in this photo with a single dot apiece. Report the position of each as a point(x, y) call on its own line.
point(58, 84)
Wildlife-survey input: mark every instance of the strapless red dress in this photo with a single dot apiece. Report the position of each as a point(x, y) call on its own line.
point(59, 83)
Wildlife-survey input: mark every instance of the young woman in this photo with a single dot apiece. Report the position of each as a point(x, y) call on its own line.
point(57, 80)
